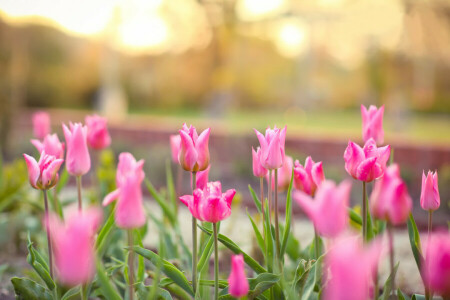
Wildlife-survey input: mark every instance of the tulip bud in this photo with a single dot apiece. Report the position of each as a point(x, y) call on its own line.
point(78, 161)
point(372, 123)
point(436, 266)
point(309, 177)
point(41, 124)
point(258, 169)
point(43, 175)
point(51, 146)
point(175, 145)
point(237, 281)
point(272, 147)
point(194, 152)
point(429, 196)
point(97, 132)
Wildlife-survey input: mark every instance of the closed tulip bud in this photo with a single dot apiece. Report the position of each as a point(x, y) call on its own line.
point(390, 200)
point(78, 161)
point(73, 245)
point(436, 266)
point(51, 145)
point(328, 209)
point(258, 169)
point(194, 152)
point(43, 175)
point(284, 174)
point(429, 196)
point(307, 178)
point(202, 178)
point(210, 204)
point(272, 147)
point(372, 123)
point(129, 212)
point(175, 145)
point(367, 163)
point(237, 281)
point(97, 132)
point(41, 124)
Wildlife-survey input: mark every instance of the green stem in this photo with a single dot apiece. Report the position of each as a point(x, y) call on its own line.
point(194, 239)
point(216, 263)
point(80, 201)
point(277, 231)
point(391, 257)
point(364, 213)
point(430, 221)
point(49, 243)
point(316, 244)
point(130, 263)
point(83, 292)
point(261, 188)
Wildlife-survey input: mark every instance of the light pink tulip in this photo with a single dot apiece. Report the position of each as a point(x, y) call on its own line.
point(284, 174)
point(237, 281)
point(51, 145)
point(175, 146)
point(436, 267)
point(429, 196)
point(372, 123)
point(78, 161)
point(350, 268)
point(390, 200)
point(309, 177)
point(272, 147)
point(97, 132)
point(194, 152)
point(43, 175)
point(41, 124)
point(210, 204)
point(202, 178)
point(368, 163)
point(258, 169)
point(328, 209)
point(129, 211)
point(73, 245)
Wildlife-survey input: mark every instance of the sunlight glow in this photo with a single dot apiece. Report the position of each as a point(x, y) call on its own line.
point(253, 10)
point(291, 38)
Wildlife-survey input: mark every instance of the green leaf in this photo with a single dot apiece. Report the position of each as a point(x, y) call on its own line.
point(170, 186)
point(70, 293)
point(141, 264)
point(355, 217)
point(414, 240)
point(287, 227)
point(206, 255)
point(269, 239)
point(236, 250)
point(255, 198)
point(257, 285)
point(311, 281)
point(161, 202)
point(108, 290)
point(258, 235)
point(39, 265)
point(401, 296)
point(418, 297)
point(27, 289)
point(169, 269)
point(387, 288)
point(63, 179)
point(102, 239)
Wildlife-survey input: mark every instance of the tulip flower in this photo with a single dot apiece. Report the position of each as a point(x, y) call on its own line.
point(328, 210)
point(97, 132)
point(436, 265)
point(175, 145)
point(194, 152)
point(129, 212)
point(284, 174)
point(237, 281)
point(51, 145)
point(258, 169)
point(78, 161)
point(202, 178)
point(309, 177)
point(372, 123)
point(41, 124)
point(429, 196)
point(43, 175)
point(367, 163)
point(272, 147)
point(73, 245)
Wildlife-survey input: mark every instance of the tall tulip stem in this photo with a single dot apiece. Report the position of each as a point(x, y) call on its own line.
point(80, 201)
point(261, 188)
point(131, 263)
point(194, 238)
point(316, 244)
point(277, 231)
point(49, 243)
point(391, 257)
point(216, 263)
point(430, 221)
point(364, 212)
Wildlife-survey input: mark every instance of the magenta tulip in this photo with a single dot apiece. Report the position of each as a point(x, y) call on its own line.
point(429, 196)
point(73, 245)
point(210, 204)
point(372, 123)
point(237, 281)
point(390, 200)
point(194, 152)
point(258, 169)
point(284, 174)
point(367, 163)
point(175, 146)
point(202, 178)
point(43, 175)
point(436, 267)
point(272, 147)
point(41, 124)
point(51, 145)
point(129, 211)
point(78, 161)
point(328, 210)
point(309, 177)
point(97, 132)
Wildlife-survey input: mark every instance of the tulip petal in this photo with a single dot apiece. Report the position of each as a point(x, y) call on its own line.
point(203, 150)
point(188, 154)
point(114, 195)
point(306, 203)
point(228, 196)
point(33, 169)
point(49, 173)
point(317, 173)
point(368, 170)
point(353, 156)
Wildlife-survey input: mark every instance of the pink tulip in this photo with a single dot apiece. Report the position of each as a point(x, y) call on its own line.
point(372, 123)
point(175, 146)
point(73, 245)
point(129, 211)
point(258, 169)
point(350, 269)
point(284, 174)
point(41, 124)
point(436, 267)
point(272, 147)
point(368, 163)
point(97, 132)
point(429, 197)
point(43, 175)
point(51, 145)
point(202, 178)
point(328, 210)
point(210, 204)
point(309, 177)
point(78, 161)
point(194, 152)
point(237, 281)
point(390, 200)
